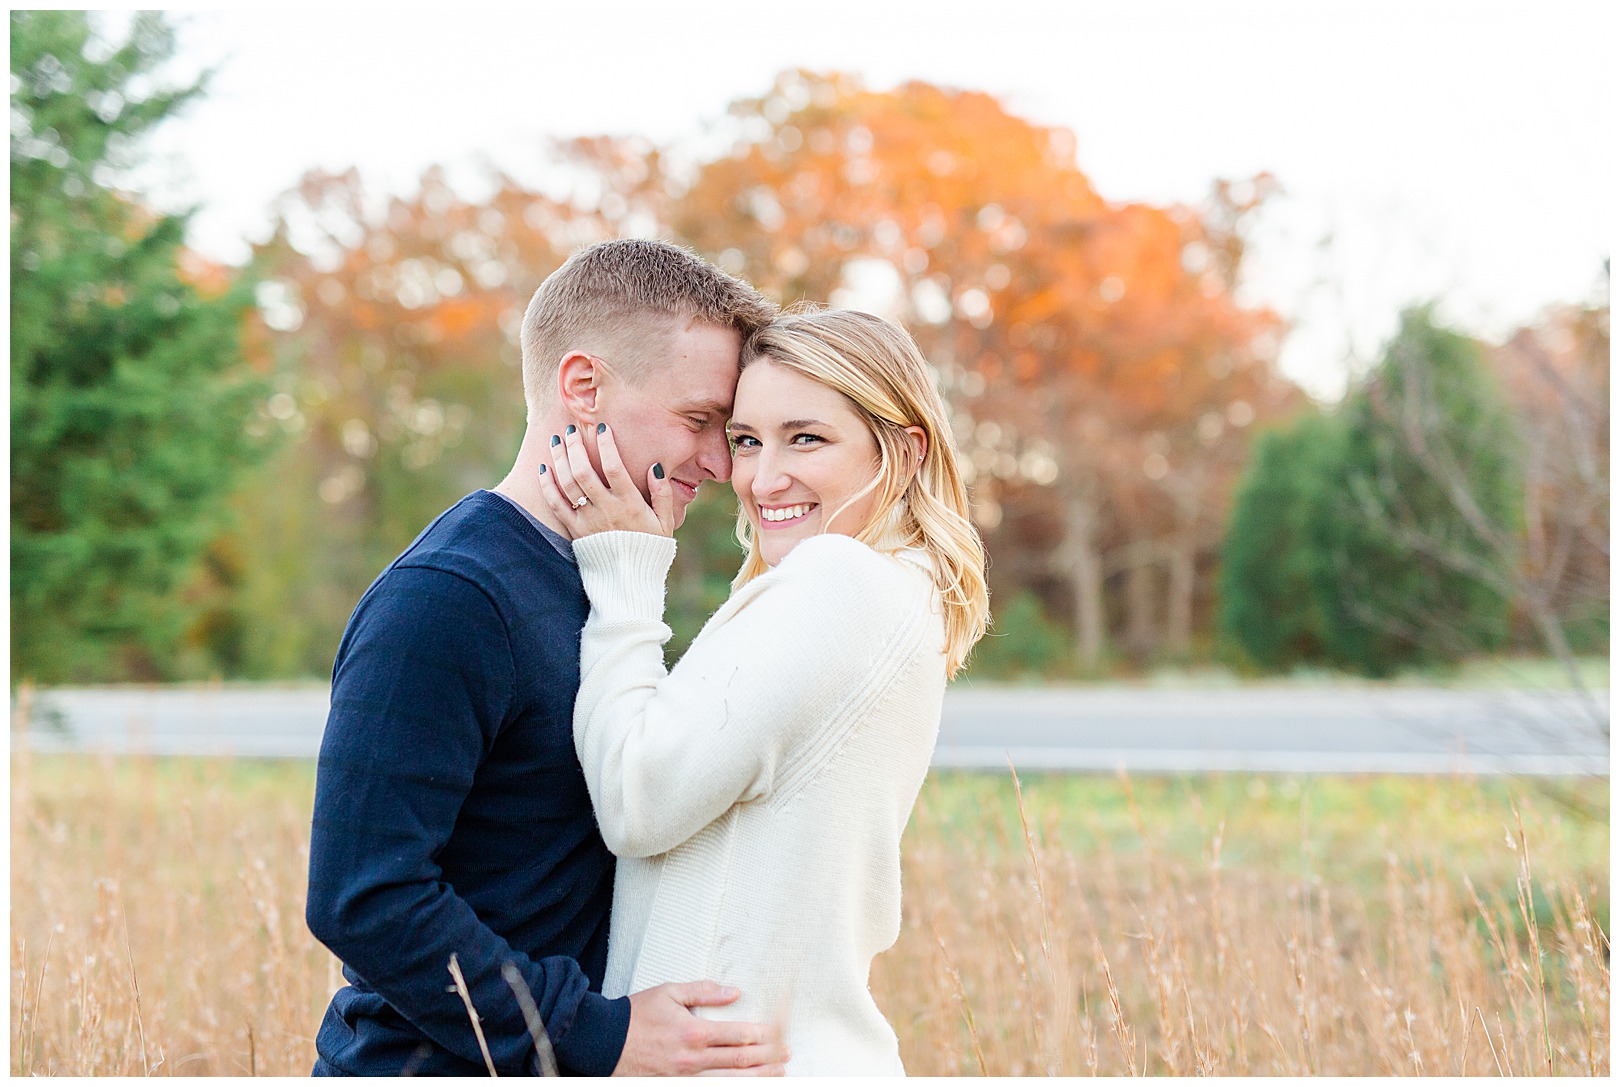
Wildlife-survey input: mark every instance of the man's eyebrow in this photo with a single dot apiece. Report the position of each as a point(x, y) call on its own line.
point(713, 406)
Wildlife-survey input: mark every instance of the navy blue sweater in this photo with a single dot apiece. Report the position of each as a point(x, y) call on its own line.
point(451, 814)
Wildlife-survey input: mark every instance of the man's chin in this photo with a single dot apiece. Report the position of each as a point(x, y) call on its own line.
point(684, 496)
point(682, 504)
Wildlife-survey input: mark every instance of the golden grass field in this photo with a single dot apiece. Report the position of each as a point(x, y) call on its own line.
point(1231, 924)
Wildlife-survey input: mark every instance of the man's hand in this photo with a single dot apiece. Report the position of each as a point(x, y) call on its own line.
point(666, 1039)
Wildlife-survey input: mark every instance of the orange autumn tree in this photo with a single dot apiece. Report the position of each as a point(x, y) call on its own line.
point(1102, 372)
point(1102, 375)
point(1191, 392)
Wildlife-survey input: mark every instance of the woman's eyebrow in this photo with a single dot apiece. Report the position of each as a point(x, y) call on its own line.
point(791, 424)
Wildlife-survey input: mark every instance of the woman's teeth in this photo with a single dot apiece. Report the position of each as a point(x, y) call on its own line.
point(786, 513)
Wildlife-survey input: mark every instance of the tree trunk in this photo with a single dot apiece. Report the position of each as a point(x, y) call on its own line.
point(1139, 625)
point(1183, 559)
point(1183, 568)
point(1085, 569)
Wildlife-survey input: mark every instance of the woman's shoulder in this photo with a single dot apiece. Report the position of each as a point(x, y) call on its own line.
point(836, 597)
point(835, 568)
point(833, 554)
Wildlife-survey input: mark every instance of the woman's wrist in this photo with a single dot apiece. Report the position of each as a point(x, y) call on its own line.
point(624, 572)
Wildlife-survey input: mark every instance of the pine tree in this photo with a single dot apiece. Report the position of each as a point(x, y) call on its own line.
point(1423, 508)
point(128, 394)
point(1267, 608)
point(1374, 539)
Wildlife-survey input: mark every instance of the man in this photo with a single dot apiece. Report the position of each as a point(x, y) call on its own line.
point(454, 858)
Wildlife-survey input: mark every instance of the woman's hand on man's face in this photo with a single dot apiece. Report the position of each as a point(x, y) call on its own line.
point(587, 503)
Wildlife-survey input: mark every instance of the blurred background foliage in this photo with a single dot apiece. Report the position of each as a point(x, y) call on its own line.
point(129, 392)
point(209, 464)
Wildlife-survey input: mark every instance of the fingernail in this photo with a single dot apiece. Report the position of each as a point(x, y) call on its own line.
point(542, 469)
point(556, 440)
point(658, 471)
point(570, 430)
point(600, 427)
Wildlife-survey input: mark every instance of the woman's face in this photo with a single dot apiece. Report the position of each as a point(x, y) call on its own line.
point(799, 451)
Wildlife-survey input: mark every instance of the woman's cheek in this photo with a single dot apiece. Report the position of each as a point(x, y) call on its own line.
point(742, 479)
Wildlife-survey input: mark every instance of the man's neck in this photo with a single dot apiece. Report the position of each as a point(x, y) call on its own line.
point(522, 483)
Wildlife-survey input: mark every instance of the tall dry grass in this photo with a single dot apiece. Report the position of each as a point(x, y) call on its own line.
point(157, 928)
point(1022, 957)
point(157, 921)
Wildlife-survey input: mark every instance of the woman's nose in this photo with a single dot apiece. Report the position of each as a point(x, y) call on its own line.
point(769, 479)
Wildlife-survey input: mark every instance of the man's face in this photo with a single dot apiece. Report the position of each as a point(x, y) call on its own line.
point(676, 416)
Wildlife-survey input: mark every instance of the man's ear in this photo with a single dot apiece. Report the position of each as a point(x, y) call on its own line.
point(579, 385)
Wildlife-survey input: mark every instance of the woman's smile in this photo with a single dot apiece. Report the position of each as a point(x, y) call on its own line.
point(781, 516)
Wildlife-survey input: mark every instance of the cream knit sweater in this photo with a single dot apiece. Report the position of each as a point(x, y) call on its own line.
point(757, 792)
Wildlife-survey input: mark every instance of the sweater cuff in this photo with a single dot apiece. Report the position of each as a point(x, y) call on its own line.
point(624, 573)
point(594, 1041)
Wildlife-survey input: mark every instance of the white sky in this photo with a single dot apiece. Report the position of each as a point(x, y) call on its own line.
point(1455, 150)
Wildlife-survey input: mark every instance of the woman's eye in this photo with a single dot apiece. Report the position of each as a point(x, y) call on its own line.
point(806, 439)
point(742, 442)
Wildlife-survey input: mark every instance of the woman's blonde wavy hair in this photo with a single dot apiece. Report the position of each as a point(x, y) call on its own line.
point(877, 366)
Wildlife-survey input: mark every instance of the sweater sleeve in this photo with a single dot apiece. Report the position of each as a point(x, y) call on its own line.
point(666, 753)
point(423, 683)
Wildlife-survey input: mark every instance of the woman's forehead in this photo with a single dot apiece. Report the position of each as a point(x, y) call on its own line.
point(771, 394)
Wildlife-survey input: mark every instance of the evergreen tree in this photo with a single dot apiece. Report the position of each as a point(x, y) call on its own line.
point(1372, 539)
point(1267, 608)
point(128, 395)
point(1428, 469)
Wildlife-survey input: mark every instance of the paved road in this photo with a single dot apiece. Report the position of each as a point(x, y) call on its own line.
point(1332, 730)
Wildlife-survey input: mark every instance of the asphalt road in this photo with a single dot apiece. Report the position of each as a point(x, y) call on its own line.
point(1289, 730)
point(1323, 730)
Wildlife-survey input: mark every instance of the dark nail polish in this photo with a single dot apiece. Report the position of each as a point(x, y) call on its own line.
point(570, 430)
point(600, 427)
point(542, 469)
point(658, 471)
point(556, 440)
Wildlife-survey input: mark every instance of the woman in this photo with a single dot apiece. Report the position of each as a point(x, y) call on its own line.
point(757, 792)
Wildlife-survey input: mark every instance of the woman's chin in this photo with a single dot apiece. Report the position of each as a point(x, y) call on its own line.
point(774, 551)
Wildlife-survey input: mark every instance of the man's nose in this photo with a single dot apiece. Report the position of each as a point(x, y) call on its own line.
point(714, 457)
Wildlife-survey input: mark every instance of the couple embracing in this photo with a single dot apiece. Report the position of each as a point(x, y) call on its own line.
point(508, 763)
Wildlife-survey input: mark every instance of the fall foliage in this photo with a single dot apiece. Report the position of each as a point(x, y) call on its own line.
point(1102, 372)
point(1105, 377)
point(1105, 374)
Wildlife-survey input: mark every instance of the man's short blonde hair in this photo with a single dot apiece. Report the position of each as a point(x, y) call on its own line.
point(621, 301)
